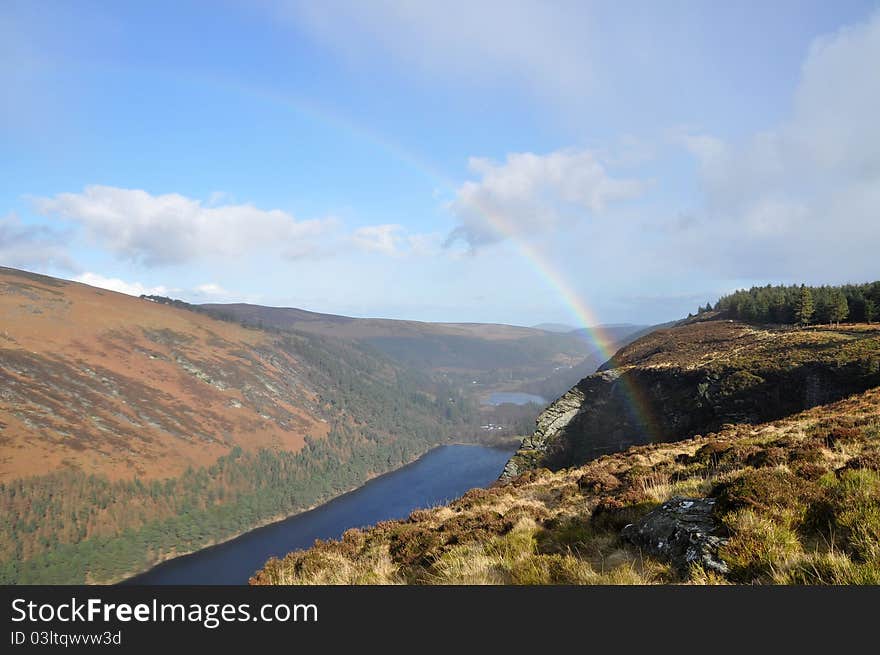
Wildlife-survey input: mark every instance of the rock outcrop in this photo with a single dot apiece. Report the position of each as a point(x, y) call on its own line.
point(683, 532)
point(694, 379)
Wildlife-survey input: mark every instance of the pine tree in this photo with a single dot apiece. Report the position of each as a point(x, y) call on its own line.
point(870, 310)
point(839, 308)
point(804, 311)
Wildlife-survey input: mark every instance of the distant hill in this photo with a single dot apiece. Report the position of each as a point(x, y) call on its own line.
point(490, 353)
point(554, 327)
point(532, 360)
point(617, 332)
point(564, 377)
point(361, 328)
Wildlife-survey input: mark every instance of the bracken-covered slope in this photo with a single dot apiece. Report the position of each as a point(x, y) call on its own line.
point(696, 377)
point(132, 431)
point(110, 384)
point(793, 501)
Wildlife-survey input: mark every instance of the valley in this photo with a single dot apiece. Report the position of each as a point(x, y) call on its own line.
point(711, 452)
point(137, 430)
point(133, 430)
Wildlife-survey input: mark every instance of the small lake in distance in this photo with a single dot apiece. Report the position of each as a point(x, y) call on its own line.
point(514, 397)
point(442, 474)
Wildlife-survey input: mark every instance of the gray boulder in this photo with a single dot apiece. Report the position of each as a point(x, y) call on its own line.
point(682, 531)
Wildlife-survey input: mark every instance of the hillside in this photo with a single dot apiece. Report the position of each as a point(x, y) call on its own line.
point(741, 485)
point(105, 383)
point(793, 501)
point(695, 378)
point(132, 430)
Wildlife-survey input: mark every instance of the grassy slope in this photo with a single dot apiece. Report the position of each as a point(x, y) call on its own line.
point(799, 497)
point(718, 346)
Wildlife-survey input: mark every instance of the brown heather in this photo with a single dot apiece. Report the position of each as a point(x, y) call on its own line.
point(799, 499)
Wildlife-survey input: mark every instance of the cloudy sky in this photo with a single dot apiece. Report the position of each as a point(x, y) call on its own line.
point(456, 161)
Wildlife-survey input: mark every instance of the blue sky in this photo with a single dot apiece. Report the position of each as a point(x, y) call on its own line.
point(445, 161)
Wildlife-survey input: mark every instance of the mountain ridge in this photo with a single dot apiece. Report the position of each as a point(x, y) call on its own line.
point(460, 350)
point(503, 357)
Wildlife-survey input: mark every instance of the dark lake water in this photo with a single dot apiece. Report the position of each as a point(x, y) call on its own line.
point(515, 397)
point(442, 474)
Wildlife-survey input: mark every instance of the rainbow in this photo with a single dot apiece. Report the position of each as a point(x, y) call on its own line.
point(637, 404)
point(639, 408)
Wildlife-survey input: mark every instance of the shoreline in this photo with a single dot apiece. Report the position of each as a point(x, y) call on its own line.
point(128, 578)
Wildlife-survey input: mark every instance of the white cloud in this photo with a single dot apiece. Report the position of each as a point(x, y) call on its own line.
point(835, 122)
point(173, 229)
point(378, 238)
point(801, 200)
point(531, 193)
point(394, 240)
point(121, 286)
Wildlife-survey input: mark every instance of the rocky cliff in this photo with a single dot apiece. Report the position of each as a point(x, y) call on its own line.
point(695, 378)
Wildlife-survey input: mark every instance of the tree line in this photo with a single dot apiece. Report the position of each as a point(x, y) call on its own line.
point(802, 305)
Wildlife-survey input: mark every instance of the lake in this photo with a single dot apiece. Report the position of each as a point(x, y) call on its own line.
point(514, 397)
point(440, 475)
